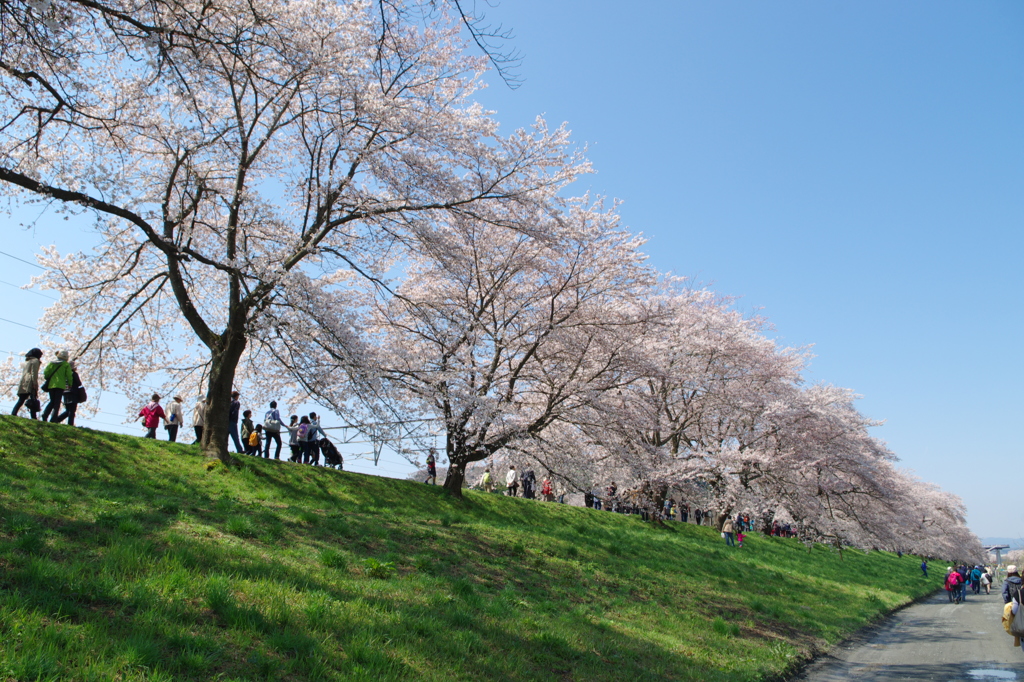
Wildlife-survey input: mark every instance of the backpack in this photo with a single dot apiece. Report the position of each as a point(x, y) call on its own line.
point(254, 438)
point(271, 425)
point(302, 431)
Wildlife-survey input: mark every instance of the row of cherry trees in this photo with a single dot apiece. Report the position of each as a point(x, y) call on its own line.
point(301, 198)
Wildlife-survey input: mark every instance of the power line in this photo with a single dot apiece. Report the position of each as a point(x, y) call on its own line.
point(30, 291)
point(4, 319)
point(35, 265)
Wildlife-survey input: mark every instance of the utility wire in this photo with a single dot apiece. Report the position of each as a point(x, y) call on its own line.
point(4, 319)
point(30, 291)
point(26, 262)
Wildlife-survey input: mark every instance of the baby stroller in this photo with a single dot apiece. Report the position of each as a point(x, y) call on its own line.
point(332, 458)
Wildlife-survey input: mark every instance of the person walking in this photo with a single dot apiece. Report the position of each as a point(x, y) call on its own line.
point(199, 419)
point(58, 376)
point(73, 394)
point(684, 512)
point(255, 441)
point(952, 584)
point(431, 468)
point(976, 580)
point(546, 491)
point(28, 386)
point(175, 417)
point(247, 428)
point(529, 480)
point(293, 442)
point(487, 482)
point(511, 481)
point(727, 530)
point(924, 567)
point(272, 429)
point(1012, 585)
point(986, 581)
point(151, 415)
point(315, 434)
point(302, 438)
point(236, 405)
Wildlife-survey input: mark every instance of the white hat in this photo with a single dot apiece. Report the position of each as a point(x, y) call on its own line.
point(1011, 569)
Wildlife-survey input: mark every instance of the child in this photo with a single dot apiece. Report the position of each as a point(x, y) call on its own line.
point(739, 538)
point(252, 445)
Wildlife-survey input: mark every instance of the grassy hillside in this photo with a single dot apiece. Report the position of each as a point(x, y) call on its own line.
point(136, 560)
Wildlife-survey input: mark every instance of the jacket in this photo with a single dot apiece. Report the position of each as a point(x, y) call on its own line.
point(247, 428)
point(199, 414)
point(510, 477)
point(233, 413)
point(151, 415)
point(29, 384)
point(728, 526)
point(59, 375)
point(1010, 592)
point(174, 416)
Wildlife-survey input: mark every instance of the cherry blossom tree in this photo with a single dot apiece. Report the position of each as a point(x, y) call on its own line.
point(500, 334)
point(240, 154)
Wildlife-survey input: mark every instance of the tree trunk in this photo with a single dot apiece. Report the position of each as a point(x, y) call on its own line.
point(222, 376)
point(455, 478)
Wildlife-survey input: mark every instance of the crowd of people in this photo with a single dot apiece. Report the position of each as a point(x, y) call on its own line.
point(64, 390)
point(61, 385)
point(958, 578)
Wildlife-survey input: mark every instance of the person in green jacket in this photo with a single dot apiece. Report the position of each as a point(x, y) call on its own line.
point(58, 375)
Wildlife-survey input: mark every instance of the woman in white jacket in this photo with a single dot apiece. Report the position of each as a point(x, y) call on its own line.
point(28, 387)
point(175, 417)
point(199, 418)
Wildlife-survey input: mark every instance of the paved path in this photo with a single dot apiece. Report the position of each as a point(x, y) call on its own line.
point(931, 640)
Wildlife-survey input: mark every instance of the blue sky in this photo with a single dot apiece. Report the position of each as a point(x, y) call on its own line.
point(852, 171)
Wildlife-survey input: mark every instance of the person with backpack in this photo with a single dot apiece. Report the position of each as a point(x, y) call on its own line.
point(1012, 585)
point(73, 394)
point(976, 580)
point(272, 427)
point(546, 491)
point(486, 482)
point(151, 415)
point(236, 405)
point(199, 419)
point(58, 375)
point(965, 580)
point(952, 584)
point(302, 438)
point(254, 442)
point(431, 468)
point(28, 387)
point(247, 428)
point(924, 567)
point(986, 581)
point(175, 416)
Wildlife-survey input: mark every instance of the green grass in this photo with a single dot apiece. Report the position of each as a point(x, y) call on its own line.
point(124, 558)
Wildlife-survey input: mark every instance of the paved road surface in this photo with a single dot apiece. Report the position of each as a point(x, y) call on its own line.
point(931, 640)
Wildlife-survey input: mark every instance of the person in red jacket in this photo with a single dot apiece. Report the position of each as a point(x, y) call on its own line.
point(151, 415)
point(952, 584)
